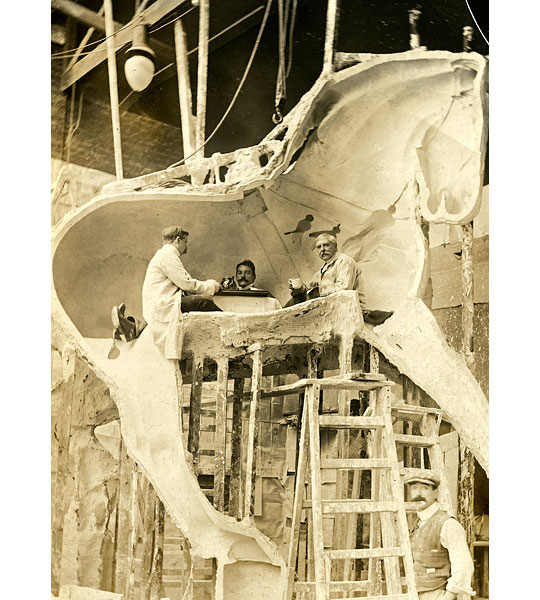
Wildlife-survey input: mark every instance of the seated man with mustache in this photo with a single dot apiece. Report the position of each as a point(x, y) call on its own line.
point(244, 278)
point(443, 566)
point(338, 272)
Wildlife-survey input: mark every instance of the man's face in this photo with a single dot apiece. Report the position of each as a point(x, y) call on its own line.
point(326, 249)
point(424, 493)
point(181, 245)
point(244, 277)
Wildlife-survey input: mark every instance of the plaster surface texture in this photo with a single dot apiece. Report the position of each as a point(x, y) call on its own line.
point(366, 153)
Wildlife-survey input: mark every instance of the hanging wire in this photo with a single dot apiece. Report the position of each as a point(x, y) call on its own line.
point(238, 89)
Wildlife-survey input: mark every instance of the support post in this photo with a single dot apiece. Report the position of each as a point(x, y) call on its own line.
point(113, 88)
point(220, 438)
point(194, 432)
point(332, 16)
point(466, 458)
point(253, 434)
point(235, 491)
point(155, 584)
point(184, 87)
point(202, 75)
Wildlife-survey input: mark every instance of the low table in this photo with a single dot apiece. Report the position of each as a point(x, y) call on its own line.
point(251, 301)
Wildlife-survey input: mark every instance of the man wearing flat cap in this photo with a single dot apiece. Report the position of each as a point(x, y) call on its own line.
point(443, 565)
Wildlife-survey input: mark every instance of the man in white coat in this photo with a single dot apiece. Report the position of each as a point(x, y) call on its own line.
point(167, 289)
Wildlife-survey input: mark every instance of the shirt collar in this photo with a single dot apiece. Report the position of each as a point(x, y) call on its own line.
point(330, 262)
point(428, 512)
point(171, 248)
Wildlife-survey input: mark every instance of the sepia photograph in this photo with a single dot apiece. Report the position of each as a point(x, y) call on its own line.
point(269, 300)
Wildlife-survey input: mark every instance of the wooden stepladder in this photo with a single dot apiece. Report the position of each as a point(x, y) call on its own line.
point(386, 499)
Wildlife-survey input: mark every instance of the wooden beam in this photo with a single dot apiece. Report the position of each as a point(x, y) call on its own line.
point(113, 89)
point(80, 13)
point(150, 15)
point(202, 76)
point(184, 87)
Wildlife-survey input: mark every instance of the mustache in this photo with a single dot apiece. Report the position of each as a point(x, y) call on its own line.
point(418, 499)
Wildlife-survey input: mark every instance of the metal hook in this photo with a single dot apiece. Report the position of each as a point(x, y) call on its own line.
point(277, 117)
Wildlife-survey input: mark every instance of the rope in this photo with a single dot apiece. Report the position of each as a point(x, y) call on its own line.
point(238, 89)
point(284, 40)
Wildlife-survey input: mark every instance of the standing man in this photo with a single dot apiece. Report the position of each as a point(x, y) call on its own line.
point(165, 280)
point(339, 272)
point(443, 565)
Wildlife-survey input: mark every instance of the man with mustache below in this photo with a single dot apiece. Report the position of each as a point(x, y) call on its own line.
point(442, 562)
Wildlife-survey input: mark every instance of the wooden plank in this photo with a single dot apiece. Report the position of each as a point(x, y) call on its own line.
point(363, 553)
point(220, 438)
point(150, 15)
point(298, 499)
point(346, 422)
point(355, 463)
point(235, 491)
point(193, 443)
point(252, 442)
point(420, 441)
point(326, 384)
point(312, 398)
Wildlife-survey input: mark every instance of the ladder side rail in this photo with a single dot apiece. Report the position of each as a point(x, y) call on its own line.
point(397, 493)
point(388, 532)
point(298, 500)
point(321, 583)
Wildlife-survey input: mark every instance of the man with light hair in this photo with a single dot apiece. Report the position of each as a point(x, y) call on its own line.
point(443, 566)
point(339, 272)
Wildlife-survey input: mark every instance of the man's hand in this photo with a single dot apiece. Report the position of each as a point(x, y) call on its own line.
point(217, 285)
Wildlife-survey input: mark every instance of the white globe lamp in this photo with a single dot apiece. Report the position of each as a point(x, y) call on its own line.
point(139, 67)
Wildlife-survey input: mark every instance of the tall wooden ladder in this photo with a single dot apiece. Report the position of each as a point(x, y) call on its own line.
point(386, 501)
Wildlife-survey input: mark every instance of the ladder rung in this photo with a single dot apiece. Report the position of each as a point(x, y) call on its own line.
point(417, 412)
point(343, 422)
point(335, 586)
point(415, 440)
point(393, 597)
point(356, 553)
point(357, 506)
point(356, 463)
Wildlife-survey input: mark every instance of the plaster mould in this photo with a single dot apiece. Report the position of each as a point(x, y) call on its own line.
point(371, 138)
